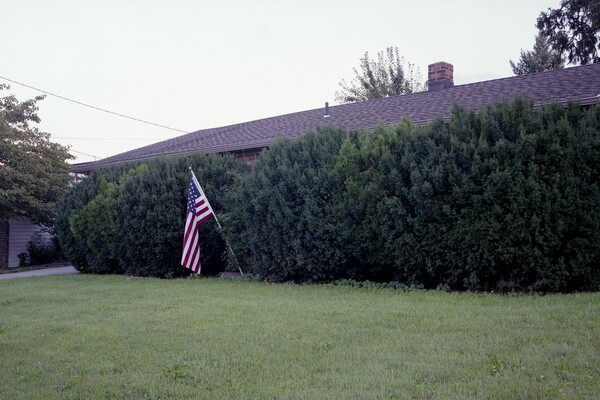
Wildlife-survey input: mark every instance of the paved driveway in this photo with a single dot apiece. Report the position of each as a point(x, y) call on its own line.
point(41, 272)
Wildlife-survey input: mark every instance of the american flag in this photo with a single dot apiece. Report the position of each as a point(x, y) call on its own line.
point(198, 211)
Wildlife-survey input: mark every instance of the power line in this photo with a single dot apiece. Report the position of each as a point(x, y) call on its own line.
point(98, 138)
point(91, 106)
point(84, 154)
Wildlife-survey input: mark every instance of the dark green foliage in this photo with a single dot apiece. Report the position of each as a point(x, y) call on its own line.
point(574, 30)
point(42, 250)
point(34, 173)
point(130, 219)
point(399, 286)
point(95, 227)
point(151, 213)
point(280, 219)
point(541, 58)
point(504, 200)
point(495, 201)
point(533, 221)
point(76, 247)
point(76, 198)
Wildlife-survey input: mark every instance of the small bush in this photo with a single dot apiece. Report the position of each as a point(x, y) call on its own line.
point(43, 250)
point(394, 285)
point(23, 259)
point(95, 226)
point(76, 198)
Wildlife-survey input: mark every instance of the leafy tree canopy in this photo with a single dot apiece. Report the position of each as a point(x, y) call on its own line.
point(33, 171)
point(541, 58)
point(574, 30)
point(389, 75)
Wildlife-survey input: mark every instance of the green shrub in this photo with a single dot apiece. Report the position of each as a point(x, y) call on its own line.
point(504, 200)
point(150, 213)
point(130, 219)
point(279, 216)
point(77, 197)
point(80, 248)
point(43, 250)
point(507, 199)
point(95, 227)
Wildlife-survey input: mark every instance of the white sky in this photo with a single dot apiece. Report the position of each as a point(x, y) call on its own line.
point(201, 64)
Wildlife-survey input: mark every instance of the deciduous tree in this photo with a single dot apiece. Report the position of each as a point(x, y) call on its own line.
point(389, 75)
point(33, 170)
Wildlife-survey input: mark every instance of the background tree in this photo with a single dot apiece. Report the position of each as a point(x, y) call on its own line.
point(574, 30)
point(389, 75)
point(542, 58)
point(33, 171)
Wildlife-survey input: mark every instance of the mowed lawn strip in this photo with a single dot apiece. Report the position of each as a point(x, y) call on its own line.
point(118, 337)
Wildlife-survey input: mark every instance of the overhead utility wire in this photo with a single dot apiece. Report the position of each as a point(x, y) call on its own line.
point(85, 154)
point(93, 107)
point(99, 138)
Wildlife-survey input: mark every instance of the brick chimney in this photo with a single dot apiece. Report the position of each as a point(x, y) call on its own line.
point(440, 76)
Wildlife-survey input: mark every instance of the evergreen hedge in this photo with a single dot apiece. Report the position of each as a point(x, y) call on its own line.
point(279, 221)
point(507, 199)
point(130, 219)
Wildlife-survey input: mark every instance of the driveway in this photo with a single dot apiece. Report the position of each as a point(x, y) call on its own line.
point(41, 272)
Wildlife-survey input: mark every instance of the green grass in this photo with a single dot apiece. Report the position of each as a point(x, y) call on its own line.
point(94, 337)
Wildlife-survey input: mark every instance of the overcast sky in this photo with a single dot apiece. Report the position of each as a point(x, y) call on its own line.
point(200, 64)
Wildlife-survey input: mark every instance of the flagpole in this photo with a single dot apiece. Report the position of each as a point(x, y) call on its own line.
point(218, 223)
point(227, 242)
point(228, 245)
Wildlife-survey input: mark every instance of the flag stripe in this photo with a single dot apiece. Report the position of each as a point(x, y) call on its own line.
point(191, 246)
point(190, 226)
point(195, 259)
point(203, 215)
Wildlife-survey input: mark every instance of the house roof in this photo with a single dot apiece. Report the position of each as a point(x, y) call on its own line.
point(581, 84)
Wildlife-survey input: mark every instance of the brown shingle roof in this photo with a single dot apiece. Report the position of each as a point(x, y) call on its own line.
point(580, 84)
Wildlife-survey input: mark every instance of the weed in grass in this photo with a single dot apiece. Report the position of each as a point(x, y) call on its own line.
point(495, 366)
point(176, 371)
point(323, 346)
point(63, 386)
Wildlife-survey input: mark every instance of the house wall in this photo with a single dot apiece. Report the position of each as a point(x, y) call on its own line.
point(249, 156)
point(20, 232)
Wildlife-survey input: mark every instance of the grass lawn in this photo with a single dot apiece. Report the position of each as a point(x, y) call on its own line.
point(94, 337)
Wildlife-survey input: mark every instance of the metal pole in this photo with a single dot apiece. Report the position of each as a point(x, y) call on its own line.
point(218, 223)
point(228, 245)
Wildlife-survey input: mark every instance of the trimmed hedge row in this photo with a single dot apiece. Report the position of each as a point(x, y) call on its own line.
point(130, 219)
point(507, 199)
